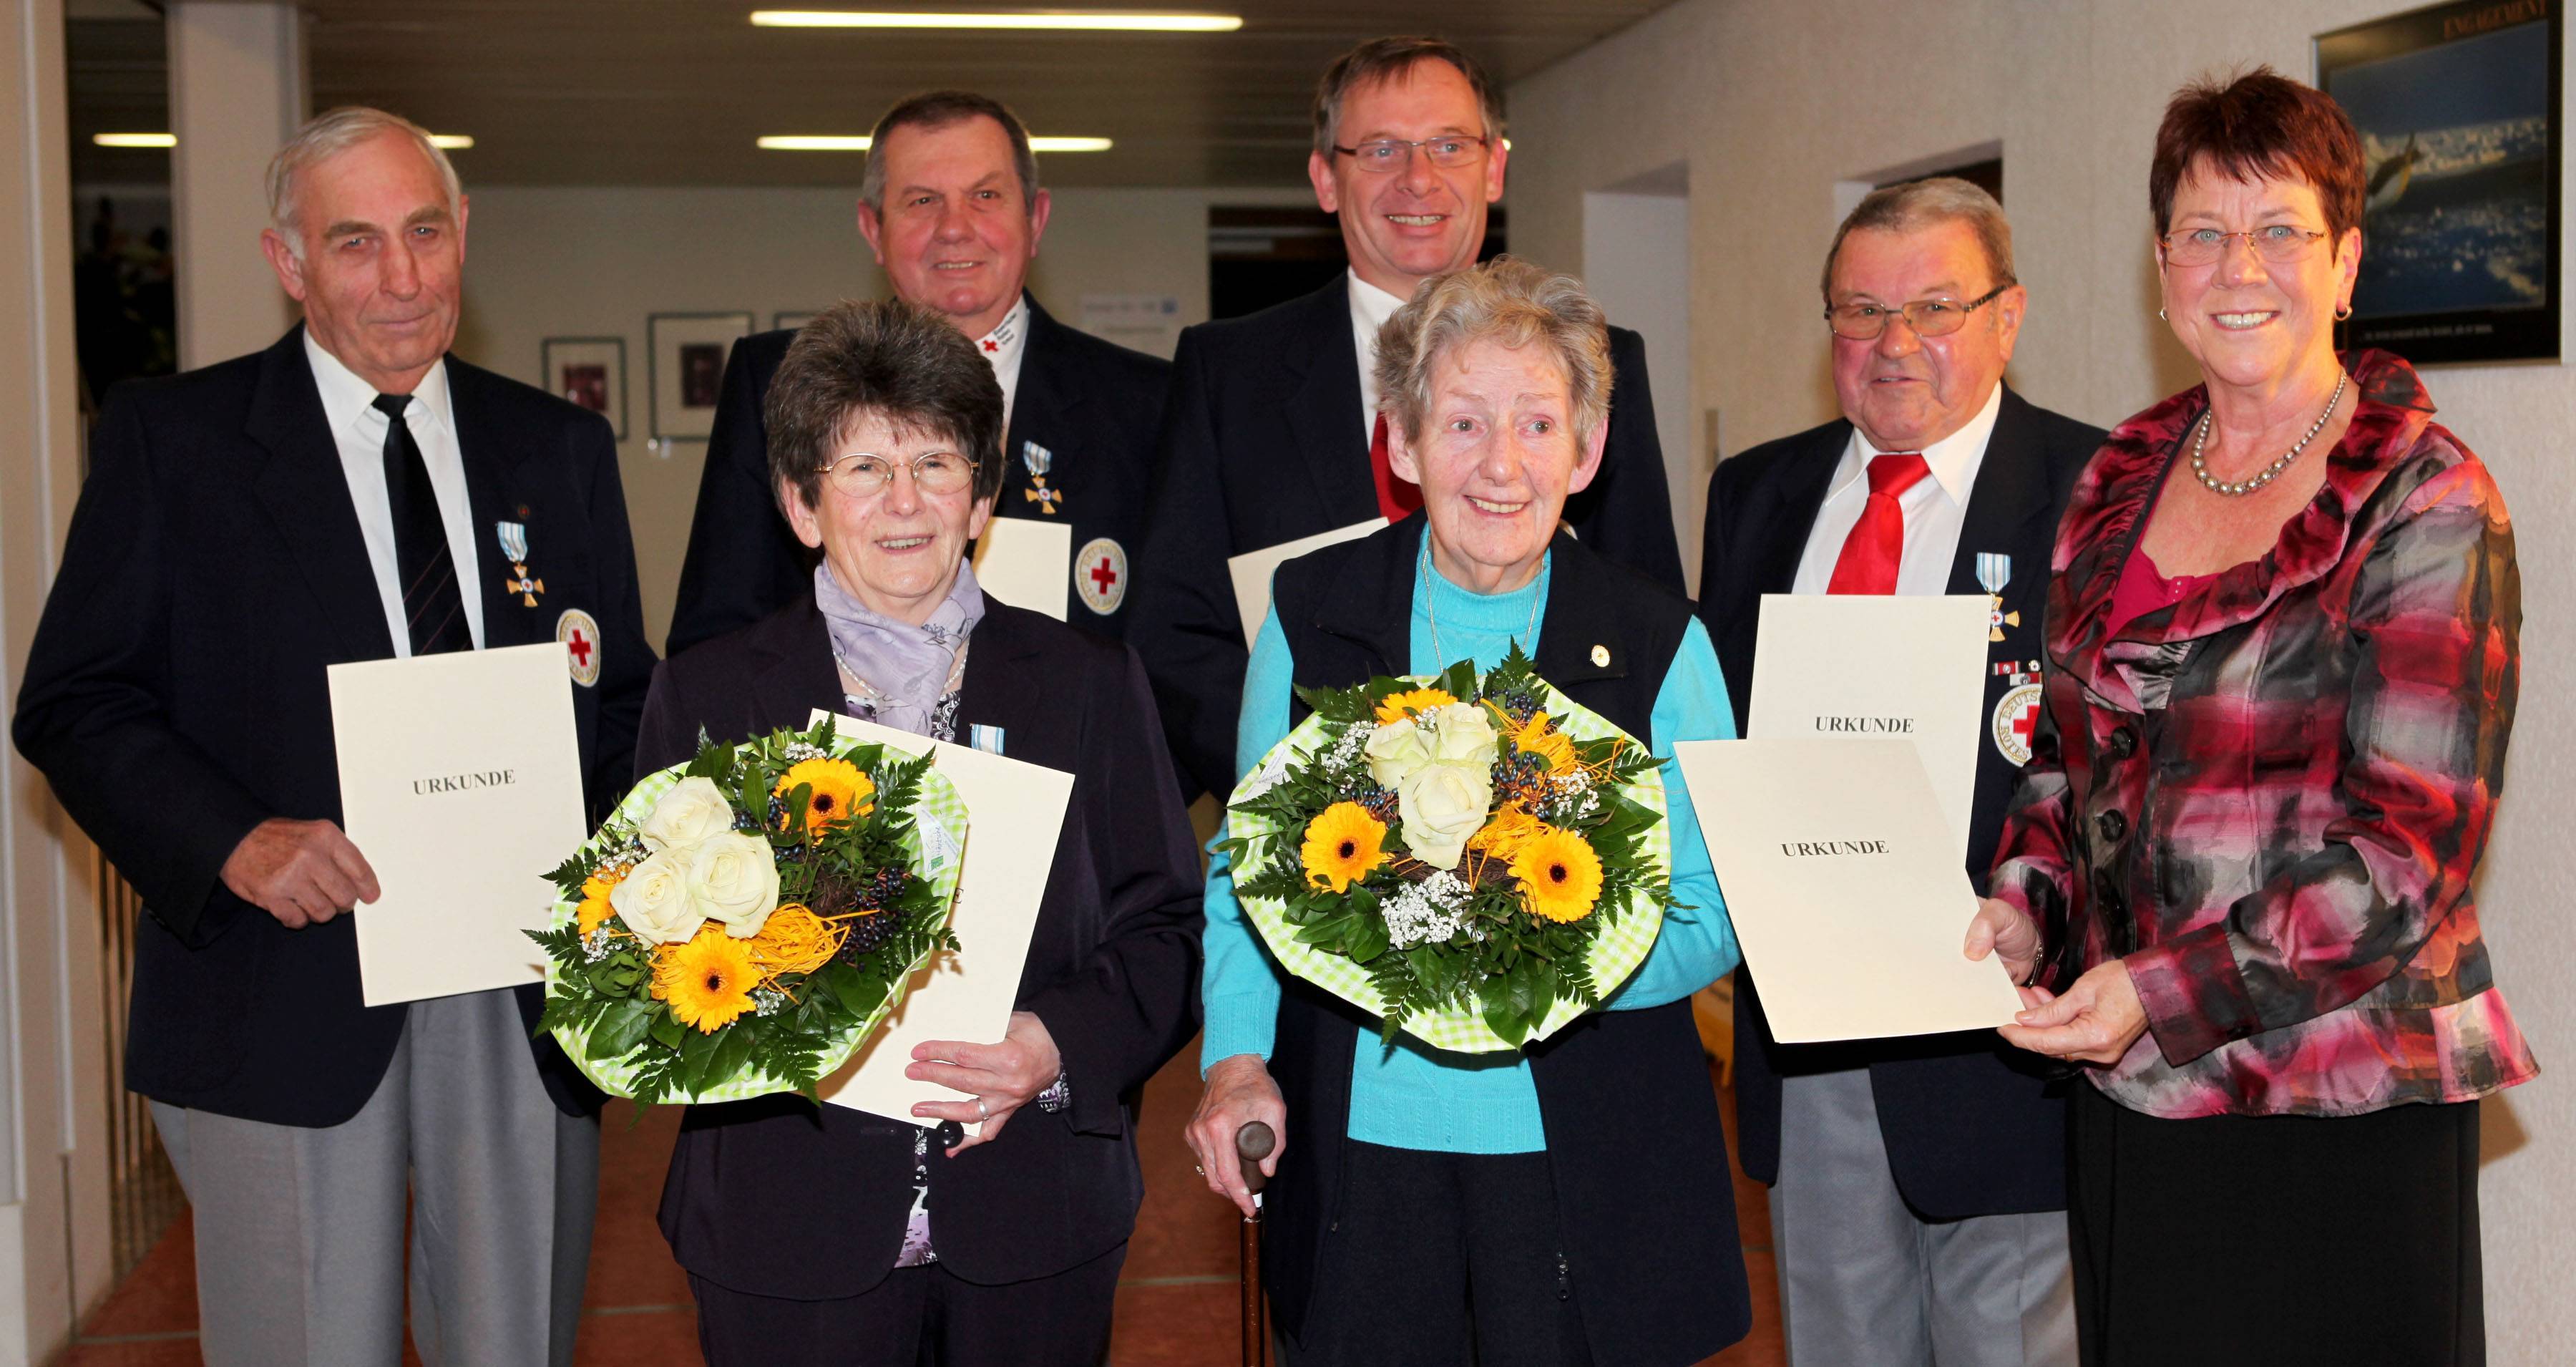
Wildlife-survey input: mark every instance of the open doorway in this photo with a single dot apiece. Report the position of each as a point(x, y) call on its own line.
point(1636, 259)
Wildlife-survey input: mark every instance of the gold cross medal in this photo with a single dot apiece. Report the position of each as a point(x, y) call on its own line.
point(1039, 460)
point(514, 548)
point(1994, 570)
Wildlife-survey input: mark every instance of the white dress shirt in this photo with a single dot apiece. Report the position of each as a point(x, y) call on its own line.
point(358, 429)
point(1935, 508)
point(1370, 308)
point(1004, 346)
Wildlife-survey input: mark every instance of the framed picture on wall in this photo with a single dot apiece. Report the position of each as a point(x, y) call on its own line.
point(2458, 108)
point(791, 319)
point(590, 371)
point(688, 353)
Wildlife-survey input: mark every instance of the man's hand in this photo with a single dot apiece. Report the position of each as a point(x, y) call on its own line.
point(2095, 1022)
point(2000, 929)
point(301, 872)
point(998, 1078)
point(1239, 1091)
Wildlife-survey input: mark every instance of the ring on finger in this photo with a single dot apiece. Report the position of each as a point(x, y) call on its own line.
point(982, 1114)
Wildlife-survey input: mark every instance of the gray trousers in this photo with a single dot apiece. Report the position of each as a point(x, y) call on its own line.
point(300, 1248)
point(1865, 1281)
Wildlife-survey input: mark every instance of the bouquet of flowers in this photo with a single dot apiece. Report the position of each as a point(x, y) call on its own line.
point(1475, 860)
point(744, 921)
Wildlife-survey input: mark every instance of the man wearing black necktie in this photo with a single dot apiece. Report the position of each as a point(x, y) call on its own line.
point(1270, 435)
point(351, 493)
point(1918, 1184)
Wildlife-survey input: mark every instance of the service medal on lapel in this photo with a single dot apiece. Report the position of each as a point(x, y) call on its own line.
point(2016, 717)
point(1039, 460)
point(1994, 570)
point(514, 548)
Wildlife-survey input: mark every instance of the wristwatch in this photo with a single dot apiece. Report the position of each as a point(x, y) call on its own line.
point(1057, 1096)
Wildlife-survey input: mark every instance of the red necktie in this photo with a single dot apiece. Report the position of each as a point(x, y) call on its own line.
point(1396, 495)
point(1876, 545)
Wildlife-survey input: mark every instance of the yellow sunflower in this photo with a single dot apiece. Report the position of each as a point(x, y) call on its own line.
point(840, 791)
point(1559, 874)
point(795, 940)
point(1343, 844)
point(594, 910)
point(1505, 833)
point(1395, 707)
point(707, 980)
point(1536, 738)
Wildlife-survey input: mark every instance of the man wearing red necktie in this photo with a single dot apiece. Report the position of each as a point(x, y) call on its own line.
point(1917, 1185)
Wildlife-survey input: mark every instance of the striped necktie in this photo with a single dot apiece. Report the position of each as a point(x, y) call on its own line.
point(431, 603)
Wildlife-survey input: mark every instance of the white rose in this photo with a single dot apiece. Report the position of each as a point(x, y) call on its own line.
point(733, 878)
point(1441, 805)
point(694, 809)
point(1396, 749)
point(653, 900)
point(1463, 733)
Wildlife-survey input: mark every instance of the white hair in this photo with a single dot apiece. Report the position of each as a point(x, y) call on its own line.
point(327, 135)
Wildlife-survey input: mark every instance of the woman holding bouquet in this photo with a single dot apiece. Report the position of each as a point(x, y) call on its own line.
point(1568, 1202)
point(828, 1235)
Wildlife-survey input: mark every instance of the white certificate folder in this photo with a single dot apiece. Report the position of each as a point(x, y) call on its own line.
point(1846, 891)
point(460, 781)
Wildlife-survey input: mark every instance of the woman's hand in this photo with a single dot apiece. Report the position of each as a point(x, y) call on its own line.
point(1239, 1091)
point(1998, 928)
point(2095, 1022)
point(998, 1078)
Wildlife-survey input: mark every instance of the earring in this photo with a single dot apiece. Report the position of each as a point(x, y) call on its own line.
point(2343, 313)
point(2160, 316)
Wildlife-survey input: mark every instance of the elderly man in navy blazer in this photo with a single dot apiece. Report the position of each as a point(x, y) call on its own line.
point(351, 493)
point(1272, 433)
point(951, 206)
point(1918, 1185)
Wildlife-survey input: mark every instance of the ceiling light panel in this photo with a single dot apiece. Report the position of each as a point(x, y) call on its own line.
point(1142, 21)
point(837, 142)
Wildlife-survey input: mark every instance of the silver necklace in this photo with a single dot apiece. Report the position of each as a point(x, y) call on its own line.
point(2200, 468)
point(1431, 608)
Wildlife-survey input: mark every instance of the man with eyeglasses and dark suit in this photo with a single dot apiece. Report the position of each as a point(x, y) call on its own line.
point(1271, 435)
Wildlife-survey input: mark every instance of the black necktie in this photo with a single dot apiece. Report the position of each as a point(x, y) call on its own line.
point(430, 600)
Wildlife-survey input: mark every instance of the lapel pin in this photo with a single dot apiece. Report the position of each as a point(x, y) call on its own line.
point(1601, 657)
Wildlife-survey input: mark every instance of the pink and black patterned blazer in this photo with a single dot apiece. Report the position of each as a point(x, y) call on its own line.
point(2269, 799)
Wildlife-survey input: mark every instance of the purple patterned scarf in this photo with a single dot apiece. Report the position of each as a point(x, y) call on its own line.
point(901, 671)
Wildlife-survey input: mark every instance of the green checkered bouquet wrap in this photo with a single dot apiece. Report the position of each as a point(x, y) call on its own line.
point(1473, 859)
point(744, 921)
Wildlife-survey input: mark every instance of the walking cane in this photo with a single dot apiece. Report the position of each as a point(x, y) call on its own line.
point(1253, 1143)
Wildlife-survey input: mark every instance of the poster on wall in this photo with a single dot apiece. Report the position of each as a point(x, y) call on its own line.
point(688, 362)
point(590, 371)
point(2458, 108)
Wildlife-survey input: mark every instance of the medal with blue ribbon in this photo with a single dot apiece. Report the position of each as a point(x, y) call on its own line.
point(1039, 460)
point(514, 548)
point(1994, 570)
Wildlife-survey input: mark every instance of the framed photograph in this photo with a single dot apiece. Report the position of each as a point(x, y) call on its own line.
point(786, 318)
point(2459, 117)
point(688, 353)
point(590, 371)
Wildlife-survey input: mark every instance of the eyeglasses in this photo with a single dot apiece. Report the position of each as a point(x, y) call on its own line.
point(863, 473)
point(1863, 322)
point(1382, 155)
point(2274, 242)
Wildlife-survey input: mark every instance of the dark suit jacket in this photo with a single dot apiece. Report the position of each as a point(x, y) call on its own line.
point(176, 694)
point(1093, 405)
point(1972, 1126)
point(777, 1197)
point(1262, 444)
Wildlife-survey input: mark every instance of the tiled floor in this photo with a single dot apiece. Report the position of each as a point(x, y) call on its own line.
point(1176, 1302)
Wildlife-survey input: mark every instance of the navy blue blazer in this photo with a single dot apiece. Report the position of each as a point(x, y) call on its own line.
point(1972, 1126)
point(1262, 444)
point(1086, 410)
point(777, 1197)
point(176, 697)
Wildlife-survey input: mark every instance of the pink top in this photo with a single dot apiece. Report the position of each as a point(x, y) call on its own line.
point(2143, 588)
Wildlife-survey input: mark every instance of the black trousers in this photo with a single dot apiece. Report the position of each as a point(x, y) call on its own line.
point(2279, 1240)
point(1443, 1260)
point(919, 1317)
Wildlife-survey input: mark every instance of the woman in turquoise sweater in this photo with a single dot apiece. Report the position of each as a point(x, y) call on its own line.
point(1566, 1203)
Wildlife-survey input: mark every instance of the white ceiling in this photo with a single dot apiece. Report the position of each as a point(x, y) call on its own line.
point(672, 92)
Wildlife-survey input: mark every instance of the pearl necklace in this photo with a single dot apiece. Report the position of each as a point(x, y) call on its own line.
point(1431, 609)
point(2200, 468)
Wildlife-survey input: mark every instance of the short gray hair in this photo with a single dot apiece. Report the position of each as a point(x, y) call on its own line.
point(893, 360)
point(939, 109)
point(330, 133)
point(1387, 59)
point(1507, 301)
point(1922, 203)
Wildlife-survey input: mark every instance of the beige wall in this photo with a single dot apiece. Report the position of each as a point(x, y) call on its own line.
point(594, 262)
point(1772, 104)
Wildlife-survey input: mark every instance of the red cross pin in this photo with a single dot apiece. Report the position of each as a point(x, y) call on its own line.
point(579, 645)
point(1104, 576)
